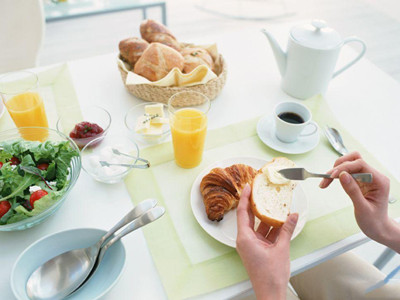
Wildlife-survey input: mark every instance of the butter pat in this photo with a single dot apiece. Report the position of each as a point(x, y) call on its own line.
point(159, 120)
point(274, 176)
point(142, 124)
point(155, 112)
point(154, 130)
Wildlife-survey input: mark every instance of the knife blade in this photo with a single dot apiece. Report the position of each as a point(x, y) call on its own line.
point(303, 174)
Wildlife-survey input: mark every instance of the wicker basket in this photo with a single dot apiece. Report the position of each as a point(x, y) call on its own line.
point(161, 94)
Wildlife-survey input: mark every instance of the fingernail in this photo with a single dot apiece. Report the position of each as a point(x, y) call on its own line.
point(330, 171)
point(334, 173)
point(321, 184)
point(293, 218)
point(345, 177)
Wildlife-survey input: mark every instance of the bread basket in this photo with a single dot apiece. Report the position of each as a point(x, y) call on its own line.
point(154, 93)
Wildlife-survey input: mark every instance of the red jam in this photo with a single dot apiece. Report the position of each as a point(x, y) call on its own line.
point(85, 130)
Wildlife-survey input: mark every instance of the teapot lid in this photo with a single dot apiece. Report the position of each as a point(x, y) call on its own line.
point(316, 35)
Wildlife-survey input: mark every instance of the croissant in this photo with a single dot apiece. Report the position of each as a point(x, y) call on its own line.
point(221, 189)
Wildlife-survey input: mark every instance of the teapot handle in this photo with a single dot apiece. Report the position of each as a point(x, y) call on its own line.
point(364, 48)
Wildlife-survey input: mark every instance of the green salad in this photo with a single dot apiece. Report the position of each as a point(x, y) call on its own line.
point(33, 176)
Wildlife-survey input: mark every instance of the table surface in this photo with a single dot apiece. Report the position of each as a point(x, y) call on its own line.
point(364, 99)
point(77, 8)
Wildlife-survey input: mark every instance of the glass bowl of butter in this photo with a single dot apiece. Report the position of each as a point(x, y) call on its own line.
point(148, 122)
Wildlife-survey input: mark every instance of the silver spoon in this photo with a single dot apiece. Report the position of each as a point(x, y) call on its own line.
point(148, 217)
point(61, 275)
point(336, 140)
point(337, 143)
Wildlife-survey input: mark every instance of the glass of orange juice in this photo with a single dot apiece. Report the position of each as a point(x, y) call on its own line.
point(188, 127)
point(19, 93)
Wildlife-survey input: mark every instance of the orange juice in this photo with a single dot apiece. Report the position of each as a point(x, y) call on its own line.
point(188, 129)
point(27, 109)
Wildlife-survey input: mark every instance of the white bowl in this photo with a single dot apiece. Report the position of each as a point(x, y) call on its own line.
point(106, 276)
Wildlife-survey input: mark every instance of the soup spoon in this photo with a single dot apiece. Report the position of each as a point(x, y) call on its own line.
point(61, 275)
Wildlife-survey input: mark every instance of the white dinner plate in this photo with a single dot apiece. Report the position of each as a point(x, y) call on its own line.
point(266, 133)
point(225, 231)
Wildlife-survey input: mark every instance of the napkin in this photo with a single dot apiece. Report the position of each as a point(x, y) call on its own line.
point(200, 75)
point(189, 261)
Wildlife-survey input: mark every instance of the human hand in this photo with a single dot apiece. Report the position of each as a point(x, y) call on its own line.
point(370, 199)
point(265, 257)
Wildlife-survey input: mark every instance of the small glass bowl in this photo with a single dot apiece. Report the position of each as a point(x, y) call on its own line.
point(132, 117)
point(74, 171)
point(93, 114)
point(101, 149)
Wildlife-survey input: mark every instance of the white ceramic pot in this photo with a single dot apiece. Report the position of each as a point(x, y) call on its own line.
point(309, 62)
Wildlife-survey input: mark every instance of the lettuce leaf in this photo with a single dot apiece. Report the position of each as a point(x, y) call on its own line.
point(15, 182)
point(12, 183)
point(39, 206)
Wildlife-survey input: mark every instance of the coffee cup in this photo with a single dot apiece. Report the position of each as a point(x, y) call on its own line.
point(292, 121)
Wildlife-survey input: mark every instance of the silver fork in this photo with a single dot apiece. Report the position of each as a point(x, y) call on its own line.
point(303, 174)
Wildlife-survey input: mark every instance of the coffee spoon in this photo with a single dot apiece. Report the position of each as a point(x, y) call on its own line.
point(63, 274)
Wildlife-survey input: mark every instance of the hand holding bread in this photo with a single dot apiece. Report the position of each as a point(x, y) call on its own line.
point(271, 194)
point(265, 257)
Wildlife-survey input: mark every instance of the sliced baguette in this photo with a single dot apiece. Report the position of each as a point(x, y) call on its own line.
point(271, 202)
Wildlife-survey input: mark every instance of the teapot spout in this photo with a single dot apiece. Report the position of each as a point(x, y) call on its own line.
point(280, 55)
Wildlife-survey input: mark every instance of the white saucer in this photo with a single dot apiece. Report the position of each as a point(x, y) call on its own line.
point(225, 231)
point(266, 132)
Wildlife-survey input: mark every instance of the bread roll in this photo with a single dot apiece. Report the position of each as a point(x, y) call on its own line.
point(270, 202)
point(152, 31)
point(131, 49)
point(157, 61)
point(195, 57)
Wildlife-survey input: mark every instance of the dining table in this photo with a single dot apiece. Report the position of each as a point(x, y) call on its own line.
point(364, 100)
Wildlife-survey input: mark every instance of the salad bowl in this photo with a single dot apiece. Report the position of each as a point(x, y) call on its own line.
point(21, 216)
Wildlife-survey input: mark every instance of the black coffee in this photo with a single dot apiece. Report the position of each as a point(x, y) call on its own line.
point(291, 118)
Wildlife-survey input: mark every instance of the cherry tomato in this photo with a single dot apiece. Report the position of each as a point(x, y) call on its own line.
point(15, 161)
point(43, 167)
point(1, 164)
point(4, 207)
point(36, 196)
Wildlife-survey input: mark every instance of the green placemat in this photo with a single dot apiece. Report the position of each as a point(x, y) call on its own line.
point(189, 261)
point(58, 94)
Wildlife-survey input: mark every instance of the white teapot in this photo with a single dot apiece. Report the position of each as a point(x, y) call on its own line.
point(312, 52)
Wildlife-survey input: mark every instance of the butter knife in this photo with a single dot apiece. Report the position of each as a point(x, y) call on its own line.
point(303, 174)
